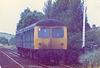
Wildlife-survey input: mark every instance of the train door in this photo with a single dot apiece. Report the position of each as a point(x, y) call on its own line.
point(44, 34)
point(59, 38)
point(42, 38)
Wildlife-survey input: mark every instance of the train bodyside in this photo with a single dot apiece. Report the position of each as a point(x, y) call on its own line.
point(25, 39)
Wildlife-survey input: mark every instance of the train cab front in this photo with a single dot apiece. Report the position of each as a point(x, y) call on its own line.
point(50, 40)
point(50, 37)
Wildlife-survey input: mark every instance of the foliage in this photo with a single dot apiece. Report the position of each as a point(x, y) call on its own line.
point(28, 18)
point(3, 40)
point(69, 12)
point(90, 58)
point(75, 41)
point(91, 54)
point(12, 41)
point(92, 40)
point(48, 9)
point(75, 49)
point(72, 56)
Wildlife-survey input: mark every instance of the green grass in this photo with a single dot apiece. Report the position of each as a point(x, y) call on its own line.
point(11, 47)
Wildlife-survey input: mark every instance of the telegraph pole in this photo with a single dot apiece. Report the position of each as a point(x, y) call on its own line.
point(84, 11)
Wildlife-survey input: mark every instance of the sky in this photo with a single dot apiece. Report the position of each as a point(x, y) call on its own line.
point(93, 12)
point(10, 11)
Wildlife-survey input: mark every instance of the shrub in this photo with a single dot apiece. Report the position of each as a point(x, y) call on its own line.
point(90, 58)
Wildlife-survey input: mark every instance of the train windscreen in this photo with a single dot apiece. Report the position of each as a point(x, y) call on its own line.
point(57, 33)
point(43, 33)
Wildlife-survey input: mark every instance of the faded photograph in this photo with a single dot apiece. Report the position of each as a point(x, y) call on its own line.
point(49, 34)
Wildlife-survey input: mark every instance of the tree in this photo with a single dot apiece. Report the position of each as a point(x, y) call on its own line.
point(3, 40)
point(90, 58)
point(28, 18)
point(68, 11)
point(48, 9)
point(11, 41)
point(26, 11)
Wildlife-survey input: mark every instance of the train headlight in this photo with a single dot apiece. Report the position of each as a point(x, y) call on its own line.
point(39, 43)
point(62, 43)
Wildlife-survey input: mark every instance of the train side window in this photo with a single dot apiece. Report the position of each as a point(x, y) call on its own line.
point(57, 33)
point(43, 33)
point(32, 35)
point(24, 36)
point(24, 39)
point(28, 35)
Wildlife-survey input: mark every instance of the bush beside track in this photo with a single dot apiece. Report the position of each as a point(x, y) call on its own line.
point(74, 51)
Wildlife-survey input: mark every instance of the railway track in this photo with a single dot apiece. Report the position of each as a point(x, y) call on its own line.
point(65, 66)
point(51, 66)
point(23, 62)
point(8, 62)
point(16, 61)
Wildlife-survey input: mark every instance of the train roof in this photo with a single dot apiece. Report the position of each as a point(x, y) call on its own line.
point(50, 22)
point(45, 22)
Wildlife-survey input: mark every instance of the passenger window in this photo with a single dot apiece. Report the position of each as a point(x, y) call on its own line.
point(43, 33)
point(57, 33)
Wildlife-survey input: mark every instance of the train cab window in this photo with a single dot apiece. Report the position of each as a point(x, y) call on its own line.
point(43, 33)
point(57, 33)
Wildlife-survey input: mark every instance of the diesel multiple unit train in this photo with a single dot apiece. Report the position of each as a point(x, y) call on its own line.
point(45, 41)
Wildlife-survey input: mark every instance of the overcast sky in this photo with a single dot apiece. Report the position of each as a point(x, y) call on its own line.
point(93, 12)
point(10, 11)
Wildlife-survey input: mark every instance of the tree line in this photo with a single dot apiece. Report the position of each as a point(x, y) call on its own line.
point(4, 41)
point(28, 17)
point(70, 12)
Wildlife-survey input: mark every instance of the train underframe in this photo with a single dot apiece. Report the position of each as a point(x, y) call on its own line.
point(46, 56)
